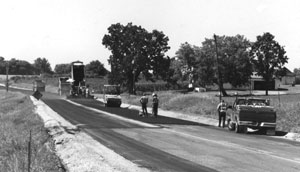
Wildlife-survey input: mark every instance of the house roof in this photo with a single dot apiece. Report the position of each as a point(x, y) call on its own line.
point(288, 72)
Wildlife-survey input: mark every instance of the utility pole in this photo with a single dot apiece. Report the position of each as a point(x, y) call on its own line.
point(218, 69)
point(133, 74)
point(7, 68)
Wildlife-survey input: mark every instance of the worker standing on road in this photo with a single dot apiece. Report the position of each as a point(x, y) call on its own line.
point(144, 101)
point(154, 104)
point(87, 91)
point(222, 107)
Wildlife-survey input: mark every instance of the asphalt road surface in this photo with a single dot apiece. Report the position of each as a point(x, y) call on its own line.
point(170, 144)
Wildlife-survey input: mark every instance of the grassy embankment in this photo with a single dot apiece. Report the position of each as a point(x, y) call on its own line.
point(204, 104)
point(17, 118)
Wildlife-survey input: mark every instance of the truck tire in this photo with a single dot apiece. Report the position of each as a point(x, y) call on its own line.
point(243, 129)
point(240, 128)
point(264, 131)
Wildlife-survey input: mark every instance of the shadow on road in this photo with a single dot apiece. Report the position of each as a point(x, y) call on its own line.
point(260, 132)
point(134, 114)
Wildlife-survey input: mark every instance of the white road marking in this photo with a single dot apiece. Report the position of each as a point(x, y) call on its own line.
point(233, 145)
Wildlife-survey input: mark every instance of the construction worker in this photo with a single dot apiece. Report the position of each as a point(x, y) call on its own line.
point(87, 91)
point(154, 104)
point(144, 101)
point(222, 107)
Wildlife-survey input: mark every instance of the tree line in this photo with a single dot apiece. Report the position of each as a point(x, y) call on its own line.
point(222, 59)
point(136, 52)
point(42, 66)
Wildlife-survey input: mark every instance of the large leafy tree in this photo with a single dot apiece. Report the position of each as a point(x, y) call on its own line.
point(205, 70)
point(231, 65)
point(42, 66)
point(186, 54)
point(136, 51)
point(2, 65)
point(19, 67)
point(185, 61)
point(268, 57)
point(96, 68)
point(297, 71)
point(62, 68)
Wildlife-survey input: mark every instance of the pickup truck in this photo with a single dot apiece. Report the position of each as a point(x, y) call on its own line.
point(254, 113)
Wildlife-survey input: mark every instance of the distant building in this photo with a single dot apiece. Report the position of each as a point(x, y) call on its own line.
point(289, 78)
point(256, 82)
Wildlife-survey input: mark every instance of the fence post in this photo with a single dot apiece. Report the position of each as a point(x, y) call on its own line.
point(29, 151)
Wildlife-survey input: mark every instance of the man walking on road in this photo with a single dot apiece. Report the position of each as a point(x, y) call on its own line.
point(144, 101)
point(222, 107)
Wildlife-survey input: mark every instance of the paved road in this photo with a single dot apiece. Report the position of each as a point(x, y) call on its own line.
point(177, 145)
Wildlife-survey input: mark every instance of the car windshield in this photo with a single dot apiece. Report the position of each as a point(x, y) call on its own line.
point(258, 102)
point(114, 90)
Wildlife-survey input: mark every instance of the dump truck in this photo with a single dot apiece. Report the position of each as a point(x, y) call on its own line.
point(254, 113)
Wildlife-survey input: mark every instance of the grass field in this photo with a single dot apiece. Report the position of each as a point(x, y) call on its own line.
point(17, 119)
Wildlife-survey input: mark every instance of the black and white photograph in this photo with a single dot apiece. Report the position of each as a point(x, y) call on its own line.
point(150, 86)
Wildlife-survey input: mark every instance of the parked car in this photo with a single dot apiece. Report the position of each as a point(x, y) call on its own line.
point(254, 113)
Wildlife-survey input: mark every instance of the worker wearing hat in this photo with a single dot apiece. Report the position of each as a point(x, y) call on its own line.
point(154, 104)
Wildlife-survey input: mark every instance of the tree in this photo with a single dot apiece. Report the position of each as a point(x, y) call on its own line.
point(232, 66)
point(96, 68)
point(136, 51)
point(186, 55)
point(297, 71)
point(62, 68)
point(20, 67)
point(2, 65)
point(204, 72)
point(268, 57)
point(42, 66)
point(186, 61)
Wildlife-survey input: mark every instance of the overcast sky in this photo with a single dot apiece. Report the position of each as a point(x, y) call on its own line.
point(63, 31)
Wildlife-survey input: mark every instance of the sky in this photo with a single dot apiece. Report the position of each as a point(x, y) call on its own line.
point(63, 31)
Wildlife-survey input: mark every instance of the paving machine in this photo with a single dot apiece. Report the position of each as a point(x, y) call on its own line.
point(77, 80)
point(111, 95)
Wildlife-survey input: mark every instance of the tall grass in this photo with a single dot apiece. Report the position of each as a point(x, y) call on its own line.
point(193, 104)
point(16, 120)
point(288, 112)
